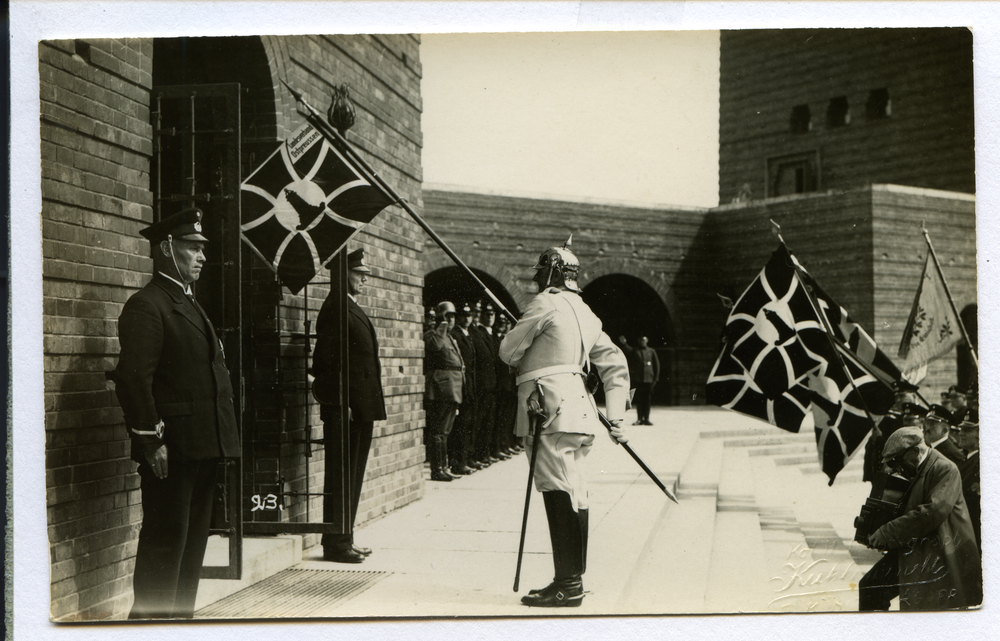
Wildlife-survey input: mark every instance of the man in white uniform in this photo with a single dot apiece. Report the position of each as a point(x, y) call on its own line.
point(556, 340)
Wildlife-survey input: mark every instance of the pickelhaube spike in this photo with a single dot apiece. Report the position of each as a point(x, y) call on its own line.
point(564, 260)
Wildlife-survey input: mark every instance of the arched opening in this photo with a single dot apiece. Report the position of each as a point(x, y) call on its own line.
point(968, 373)
point(629, 307)
point(453, 284)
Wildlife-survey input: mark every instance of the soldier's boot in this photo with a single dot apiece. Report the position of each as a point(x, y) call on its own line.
point(566, 589)
point(446, 461)
point(584, 518)
point(437, 454)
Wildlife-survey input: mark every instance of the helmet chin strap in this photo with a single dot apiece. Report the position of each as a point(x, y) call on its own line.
point(548, 279)
point(170, 243)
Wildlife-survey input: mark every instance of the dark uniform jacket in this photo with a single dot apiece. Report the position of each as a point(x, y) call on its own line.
point(444, 369)
point(969, 469)
point(951, 451)
point(643, 364)
point(468, 350)
point(364, 371)
point(172, 368)
point(486, 358)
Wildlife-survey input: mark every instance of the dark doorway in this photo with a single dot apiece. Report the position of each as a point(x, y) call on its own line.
point(968, 372)
point(212, 109)
point(453, 284)
point(631, 308)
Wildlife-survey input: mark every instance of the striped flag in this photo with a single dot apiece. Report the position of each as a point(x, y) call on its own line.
point(788, 375)
point(303, 204)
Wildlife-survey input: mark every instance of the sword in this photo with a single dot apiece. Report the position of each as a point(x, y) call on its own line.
point(607, 424)
point(537, 417)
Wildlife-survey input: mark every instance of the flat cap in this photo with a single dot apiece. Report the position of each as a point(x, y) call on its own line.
point(901, 440)
point(184, 224)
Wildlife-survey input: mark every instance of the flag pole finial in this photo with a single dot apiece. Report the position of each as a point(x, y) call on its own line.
point(776, 230)
point(341, 113)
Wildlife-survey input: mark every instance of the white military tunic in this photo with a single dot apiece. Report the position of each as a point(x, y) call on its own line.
point(550, 346)
point(557, 336)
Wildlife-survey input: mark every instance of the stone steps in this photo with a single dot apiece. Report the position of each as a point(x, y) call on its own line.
point(757, 529)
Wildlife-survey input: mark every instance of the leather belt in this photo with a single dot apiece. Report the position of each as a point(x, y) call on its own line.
point(552, 370)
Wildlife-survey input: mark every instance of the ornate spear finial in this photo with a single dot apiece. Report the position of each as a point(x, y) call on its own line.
point(569, 243)
point(341, 114)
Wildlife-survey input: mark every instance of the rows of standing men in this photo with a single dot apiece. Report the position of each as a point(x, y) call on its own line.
point(470, 397)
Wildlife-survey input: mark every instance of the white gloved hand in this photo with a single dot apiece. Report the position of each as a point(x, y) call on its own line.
point(617, 432)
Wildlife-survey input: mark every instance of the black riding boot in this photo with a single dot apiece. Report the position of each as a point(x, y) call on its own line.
point(566, 589)
point(438, 461)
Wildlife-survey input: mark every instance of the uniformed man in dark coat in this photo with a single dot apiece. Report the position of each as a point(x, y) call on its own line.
point(904, 412)
point(969, 469)
point(644, 373)
point(366, 405)
point(177, 399)
point(486, 386)
point(444, 375)
point(937, 426)
point(507, 441)
point(461, 439)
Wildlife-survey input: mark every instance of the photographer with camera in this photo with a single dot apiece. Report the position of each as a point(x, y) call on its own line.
point(931, 561)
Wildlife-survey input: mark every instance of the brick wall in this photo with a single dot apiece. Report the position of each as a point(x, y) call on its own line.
point(97, 147)
point(898, 256)
point(664, 248)
point(384, 74)
point(95, 135)
point(864, 247)
point(927, 140)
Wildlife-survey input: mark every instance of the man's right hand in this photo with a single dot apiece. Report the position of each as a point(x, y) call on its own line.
point(158, 462)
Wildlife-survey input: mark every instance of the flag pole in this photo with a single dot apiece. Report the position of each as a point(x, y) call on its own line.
point(951, 301)
point(316, 120)
point(829, 332)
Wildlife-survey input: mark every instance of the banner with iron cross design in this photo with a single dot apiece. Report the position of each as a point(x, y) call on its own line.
point(303, 204)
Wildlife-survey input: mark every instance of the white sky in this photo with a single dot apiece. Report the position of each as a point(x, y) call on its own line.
point(616, 115)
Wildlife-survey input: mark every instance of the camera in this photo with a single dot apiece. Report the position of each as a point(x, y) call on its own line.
point(883, 504)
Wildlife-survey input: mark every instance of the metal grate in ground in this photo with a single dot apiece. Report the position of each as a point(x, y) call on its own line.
point(293, 593)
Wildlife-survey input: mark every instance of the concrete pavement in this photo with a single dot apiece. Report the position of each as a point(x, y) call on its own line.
point(757, 529)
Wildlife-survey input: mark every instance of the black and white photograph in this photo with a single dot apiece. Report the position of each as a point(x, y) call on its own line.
point(502, 327)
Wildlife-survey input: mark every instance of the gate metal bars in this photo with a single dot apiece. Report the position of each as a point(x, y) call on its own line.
point(196, 162)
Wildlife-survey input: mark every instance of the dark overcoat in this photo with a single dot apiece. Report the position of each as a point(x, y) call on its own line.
point(364, 372)
point(939, 563)
point(486, 359)
point(172, 368)
point(951, 451)
point(969, 470)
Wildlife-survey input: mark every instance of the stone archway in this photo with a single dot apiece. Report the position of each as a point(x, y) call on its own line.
point(436, 259)
point(657, 281)
point(629, 307)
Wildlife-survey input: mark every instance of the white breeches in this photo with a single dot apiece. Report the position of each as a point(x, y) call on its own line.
point(561, 465)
